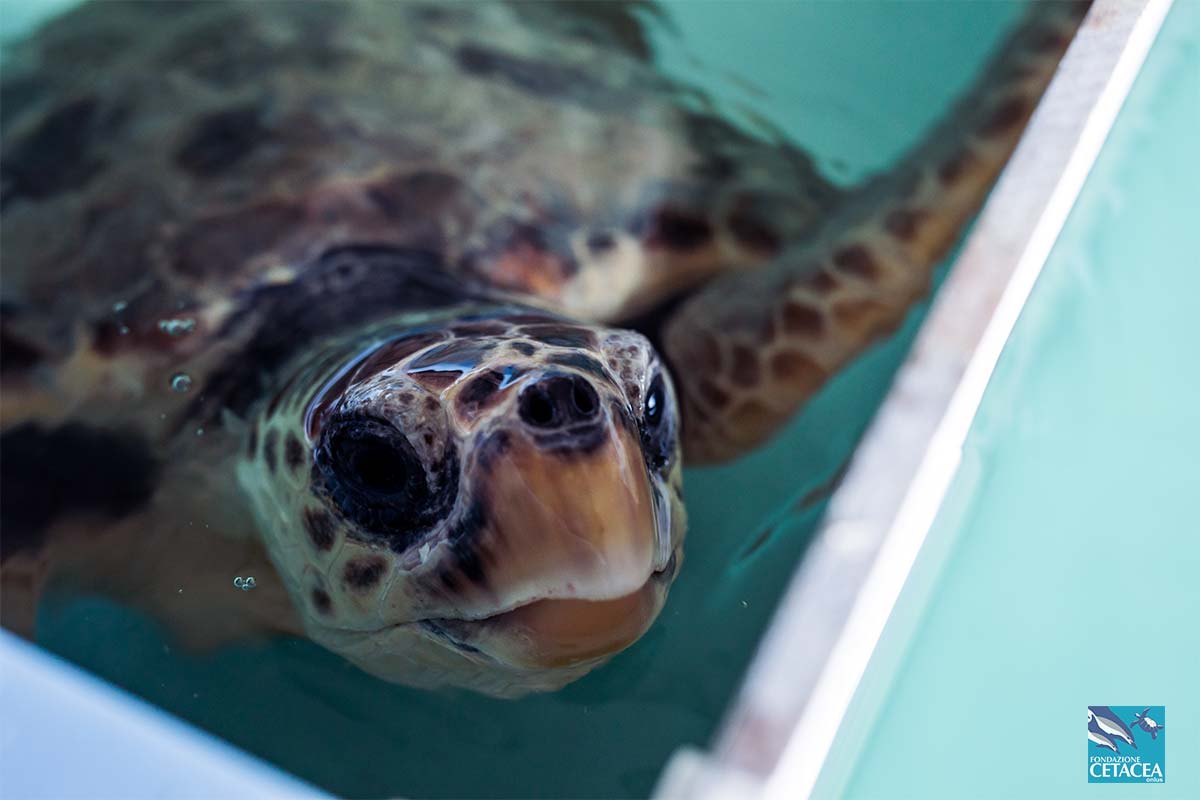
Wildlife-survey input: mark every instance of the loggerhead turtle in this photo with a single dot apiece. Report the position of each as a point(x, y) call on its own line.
point(344, 297)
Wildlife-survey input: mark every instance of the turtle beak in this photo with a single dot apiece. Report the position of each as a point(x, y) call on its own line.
point(560, 633)
point(559, 567)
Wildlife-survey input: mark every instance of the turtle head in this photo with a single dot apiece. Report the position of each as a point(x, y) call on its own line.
point(494, 503)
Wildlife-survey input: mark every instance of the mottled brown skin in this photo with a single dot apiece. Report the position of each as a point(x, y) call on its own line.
point(750, 349)
point(268, 197)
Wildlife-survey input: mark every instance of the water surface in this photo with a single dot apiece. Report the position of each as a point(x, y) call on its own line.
point(854, 84)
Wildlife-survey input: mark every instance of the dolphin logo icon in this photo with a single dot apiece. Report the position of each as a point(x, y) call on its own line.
point(1103, 721)
point(1094, 735)
point(1146, 723)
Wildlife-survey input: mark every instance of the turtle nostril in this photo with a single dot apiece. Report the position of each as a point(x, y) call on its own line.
point(537, 408)
point(559, 401)
point(583, 398)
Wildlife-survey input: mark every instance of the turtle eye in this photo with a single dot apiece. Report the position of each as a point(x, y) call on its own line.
point(371, 459)
point(377, 465)
point(652, 413)
point(368, 471)
point(374, 475)
point(658, 429)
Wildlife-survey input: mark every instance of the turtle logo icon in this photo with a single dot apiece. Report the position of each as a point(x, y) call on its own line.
point(1146, 723)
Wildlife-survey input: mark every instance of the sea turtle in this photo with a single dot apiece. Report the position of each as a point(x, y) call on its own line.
point(1147, 724)
point(345, 298)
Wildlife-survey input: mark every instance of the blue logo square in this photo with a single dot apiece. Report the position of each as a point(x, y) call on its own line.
point(1127, 744)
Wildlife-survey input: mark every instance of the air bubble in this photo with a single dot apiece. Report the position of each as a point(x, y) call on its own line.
point(181, 382)
point(176, 326)
point(120, 306)
point(245, 584)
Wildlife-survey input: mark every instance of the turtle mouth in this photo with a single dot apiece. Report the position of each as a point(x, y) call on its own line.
point(558, 632)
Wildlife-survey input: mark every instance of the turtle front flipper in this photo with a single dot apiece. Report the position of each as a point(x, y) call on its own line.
point(95, 510)
point(751, 348)
point(205, 589)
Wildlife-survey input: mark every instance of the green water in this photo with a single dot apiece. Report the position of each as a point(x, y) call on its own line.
point(1063, 571)
point(854, 83)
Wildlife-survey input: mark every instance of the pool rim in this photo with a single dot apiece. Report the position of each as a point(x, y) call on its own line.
point(779, 732)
